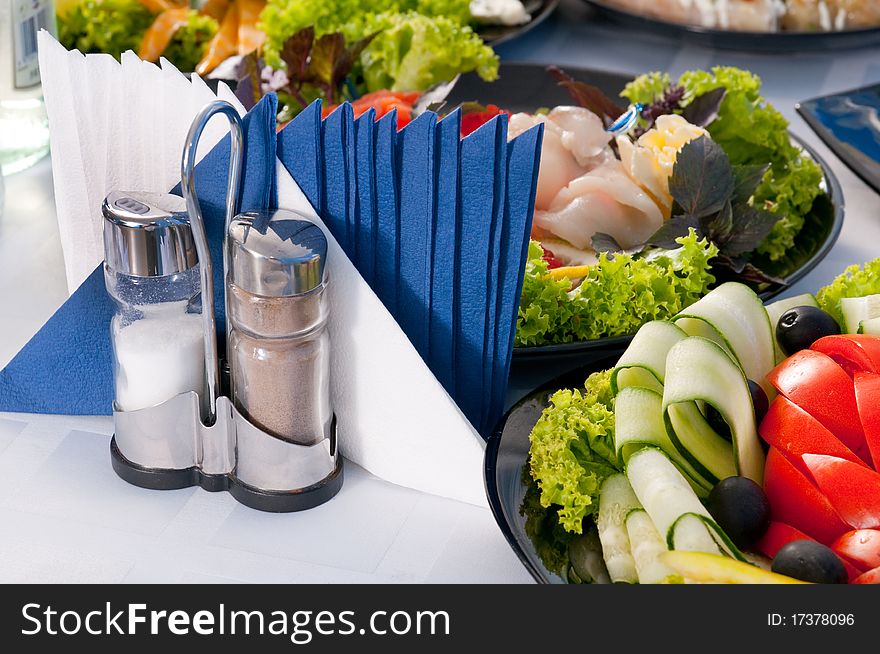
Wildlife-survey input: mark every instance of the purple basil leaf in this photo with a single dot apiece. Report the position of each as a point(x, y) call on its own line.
point(605, 243)
point(248, 86)
point(668, 103)
point(750, 228)
point(674, 228)
point(719, 227)
point(587, 96)
point(746, 180)
point(704, 109)
point(702, 179)
point(295, 54)
point(740, 269)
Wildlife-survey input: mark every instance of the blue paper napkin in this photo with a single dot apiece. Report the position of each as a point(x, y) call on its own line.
point(67, 367)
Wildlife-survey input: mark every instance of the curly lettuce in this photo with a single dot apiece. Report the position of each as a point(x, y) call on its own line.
point(111, 26)
point(572, 450)
point(855, 281)
point(751, 131)
point(619, 294)
point(420, 42)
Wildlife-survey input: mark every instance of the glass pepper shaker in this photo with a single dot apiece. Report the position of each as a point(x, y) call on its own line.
point(278, 345)
point(152, 274)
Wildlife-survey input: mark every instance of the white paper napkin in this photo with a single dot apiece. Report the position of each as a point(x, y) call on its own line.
point(126, 124)
point(115, 126)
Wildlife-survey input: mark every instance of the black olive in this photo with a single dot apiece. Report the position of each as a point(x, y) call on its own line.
point(717, 422)
point(759, 401)
point(800, 327)
point(810, 561)
point(741, 509)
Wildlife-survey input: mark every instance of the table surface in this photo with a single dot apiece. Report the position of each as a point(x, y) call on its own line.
point(66, 516)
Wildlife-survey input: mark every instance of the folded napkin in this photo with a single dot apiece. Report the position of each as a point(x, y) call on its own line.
point(436, 225)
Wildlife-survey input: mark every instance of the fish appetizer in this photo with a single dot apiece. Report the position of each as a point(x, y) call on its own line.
point(732, 443)
point(760, 15)
point(640, 211)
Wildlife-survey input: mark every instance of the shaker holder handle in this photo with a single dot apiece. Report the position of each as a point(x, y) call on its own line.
point(197, 223)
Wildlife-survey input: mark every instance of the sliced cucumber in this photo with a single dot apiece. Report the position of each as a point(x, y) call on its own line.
point(710, 454)
point(647, 548)
point(739, 324)
point(673, 506)
point(644, 361)
point(616, 500)
point(856, 310)
point(697, 369)
point(638, 421)
point(775, 311)
point(871, 327)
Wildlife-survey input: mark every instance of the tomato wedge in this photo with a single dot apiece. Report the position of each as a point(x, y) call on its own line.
point(853, 352)
point(860, 547)
point(870, 577)
point(795, 501)
point(867, 387)
point(853, 490)
point(794, 432)
point(777, 536)
point(819, 386)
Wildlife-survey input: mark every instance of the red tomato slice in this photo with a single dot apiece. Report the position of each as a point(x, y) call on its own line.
point(853, 352)
point(860, 547)
point(870, 577)
point(795, 501)
point(794, 432)
point(853, 490)
point(867, 387)
point(819, 386)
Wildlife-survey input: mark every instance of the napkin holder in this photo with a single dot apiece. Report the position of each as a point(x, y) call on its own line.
point(170, 446)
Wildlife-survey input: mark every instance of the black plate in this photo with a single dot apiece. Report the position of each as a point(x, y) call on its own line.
point(778, 42)
point(539, 11)
point(526, 87)
point(507, 486)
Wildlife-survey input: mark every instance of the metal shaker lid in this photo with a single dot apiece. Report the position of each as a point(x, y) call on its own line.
point(147, 234)
point(276, 254)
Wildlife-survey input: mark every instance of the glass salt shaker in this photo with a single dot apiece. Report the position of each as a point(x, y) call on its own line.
point(152, 274)
point(278, 345)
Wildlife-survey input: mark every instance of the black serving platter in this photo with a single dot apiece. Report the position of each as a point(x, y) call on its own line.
point(509, 487)
point(526, 87)
point(539, 10)
point(767, 42)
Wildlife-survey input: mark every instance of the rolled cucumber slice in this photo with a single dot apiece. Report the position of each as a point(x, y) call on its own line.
point(871, 327)
point(739, 324)
point(775, 311)
point(674, 508)
point(644, 361)
point(698, 370)
point(616, 500)
point(857, 310)
point(638, 422)
point(647, 548)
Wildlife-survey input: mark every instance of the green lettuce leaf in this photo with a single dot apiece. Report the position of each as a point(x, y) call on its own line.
point(855, 281)
point(572, 450)
point(620, 293)
point(111, 26)
point(188, 44)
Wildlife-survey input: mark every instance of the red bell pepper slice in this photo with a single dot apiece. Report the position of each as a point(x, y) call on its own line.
point(860, 547)
point(853, 490)
point(779, 534)
point(794, 432)
point(795, 501)
point(853, 352)
point(867, 387)
point(819, 386)
point(870, 577)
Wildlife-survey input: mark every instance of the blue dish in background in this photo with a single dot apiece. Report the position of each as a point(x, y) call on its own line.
point(849, 123)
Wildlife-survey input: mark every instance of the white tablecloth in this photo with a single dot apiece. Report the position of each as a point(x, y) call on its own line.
point(65, 516)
